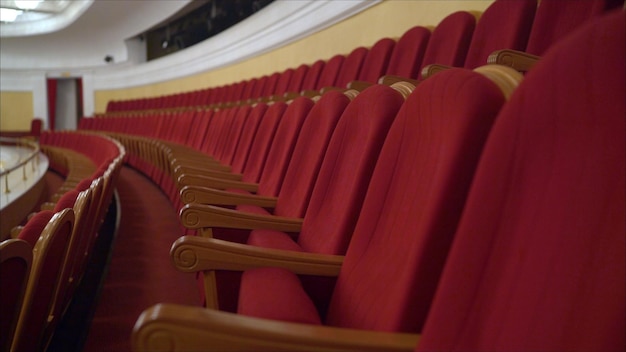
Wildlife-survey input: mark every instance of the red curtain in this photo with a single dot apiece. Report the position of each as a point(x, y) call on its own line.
point(52, 102)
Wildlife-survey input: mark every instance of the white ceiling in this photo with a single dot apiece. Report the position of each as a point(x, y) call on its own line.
point(100, 31)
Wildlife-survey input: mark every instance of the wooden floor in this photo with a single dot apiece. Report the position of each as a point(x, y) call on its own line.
point(139, 273)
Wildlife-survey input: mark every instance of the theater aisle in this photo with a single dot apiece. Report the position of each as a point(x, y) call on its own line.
point(140, 273)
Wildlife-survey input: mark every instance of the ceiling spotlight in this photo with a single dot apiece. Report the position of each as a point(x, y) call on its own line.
point(165, 43)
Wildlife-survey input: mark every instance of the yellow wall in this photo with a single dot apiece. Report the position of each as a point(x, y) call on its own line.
point(390, 18)
point(16, 111)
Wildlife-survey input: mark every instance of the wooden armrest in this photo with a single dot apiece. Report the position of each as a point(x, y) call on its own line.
point(194, 253)
point(432, 69)
point(181, 328)
point(518, 60)
point(199, 163)
point(389, 80)
point(359, 85)
point(214, 182)
point(206, 171)
point(328, 89)
point(196, 216)
point(48, 206)
point(290, 96)
point(15, 231)
point(202, 195)
point(310, 93)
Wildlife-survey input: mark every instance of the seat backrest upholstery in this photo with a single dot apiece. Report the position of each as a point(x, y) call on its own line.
point(450, 40)
point(346, 170)
point(505, 24)
point(308, 154)
point(538, 262)
point(42, 289)
point(413, 204)
point(330, 71)
point(16, 258)
point(351, 67)
point(406, 58)
point(313, 75)
point(557, 18)
point(262, 141)
point(282, 146)
point(377, 59)
point(246, 139)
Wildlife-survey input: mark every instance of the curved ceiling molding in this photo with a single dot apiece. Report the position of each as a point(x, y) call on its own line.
point(278, 24)
point(50, 24)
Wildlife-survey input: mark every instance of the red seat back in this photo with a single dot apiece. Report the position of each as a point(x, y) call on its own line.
point(539, 261)
point(377, 59)
point(557, 18)
point(505, 24)
point(406, 58)
point(450, 40)
point(413, 204)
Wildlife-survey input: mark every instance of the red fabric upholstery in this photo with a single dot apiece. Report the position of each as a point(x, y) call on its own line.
point(47, 263)
point(330, 72)
point(539, 260)
point(557, 18)
point(284, 80)
point(414, 203)
point(14, 271)
point(308, 154)
point(505, 24)
point(281, 290)
point(313, 75)
point(351, 67)
point(247, 137)
point(341, 184)
point(406, 58)
point(298, 77)
point(67, 200)
point(282, 146)
point(377, 60)
point(411, 209)
point(32, 230)
point(262, 141)
point(450, 40)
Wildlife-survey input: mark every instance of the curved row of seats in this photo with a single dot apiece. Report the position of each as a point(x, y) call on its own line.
point(439, 218)
point(42, 265)
point(522, 27)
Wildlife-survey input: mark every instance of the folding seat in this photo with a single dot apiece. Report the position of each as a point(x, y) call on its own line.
point(411, 206)
point(297, 80)
point(283, 83)
point(241, 153)
point(537, 262)
point(258, 151)
point(277, 159)
point(375, 64)
point(346, 168)
point(16, 257)
point(270, 86)
point(504, 24)
point(303, 167)
point(351, 67)
point(330, 72)
point(450, 40)
point(553, 21)
point(549, 275)
point(49, 234)
point(406, 58)
point(313, 75)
